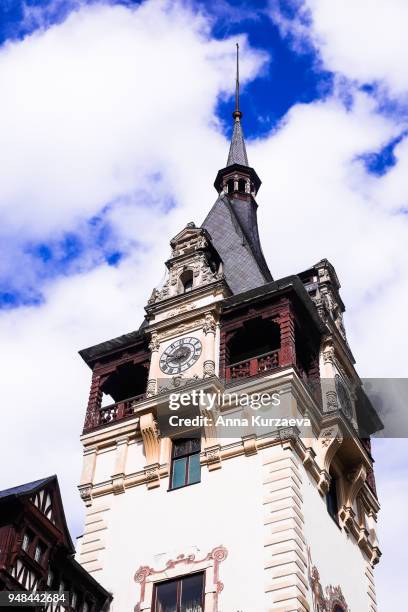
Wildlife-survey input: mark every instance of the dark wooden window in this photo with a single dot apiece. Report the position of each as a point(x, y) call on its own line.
point(27, 539)
point(185, 594)
point(39, 552)
point(332, 499)
point(185, 465)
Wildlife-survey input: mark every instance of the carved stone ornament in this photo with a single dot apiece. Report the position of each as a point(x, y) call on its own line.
point(85, 492)
point(209, 368)
point(329, 600)
point(183, 564)
point(175, 382)
point(331, 401)
point(343, 396)
point(154, 344)
point(213, 457)
point(151, 388)
point(328, 354)
point(209, 326)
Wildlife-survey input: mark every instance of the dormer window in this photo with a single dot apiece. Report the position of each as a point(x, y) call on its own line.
point(187, 281)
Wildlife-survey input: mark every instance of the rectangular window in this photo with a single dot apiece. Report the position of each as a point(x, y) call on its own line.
point(27, 539)
point(50, 578)
point(185, 467)
point(38, 553)
point(185, 594)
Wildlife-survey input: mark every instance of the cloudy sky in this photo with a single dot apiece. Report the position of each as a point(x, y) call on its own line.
point(115, 117)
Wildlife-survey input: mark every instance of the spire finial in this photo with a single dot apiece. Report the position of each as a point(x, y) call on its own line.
point(237, 113)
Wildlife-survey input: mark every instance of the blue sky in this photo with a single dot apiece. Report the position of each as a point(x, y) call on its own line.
point(111, 137)
point(288, 77)
point(291, 74)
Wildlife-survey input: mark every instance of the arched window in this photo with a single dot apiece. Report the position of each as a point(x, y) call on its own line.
point(186, 280)
point(241, 185)
point(230, 185)
point(332, 499)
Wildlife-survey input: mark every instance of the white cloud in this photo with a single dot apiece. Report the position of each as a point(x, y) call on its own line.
point(104, 108)
point(108, 107)
point(362, 39)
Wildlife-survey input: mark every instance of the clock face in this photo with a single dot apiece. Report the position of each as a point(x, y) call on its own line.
point(180, 355)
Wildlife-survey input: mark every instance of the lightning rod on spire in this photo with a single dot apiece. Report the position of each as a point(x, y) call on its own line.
point(237, 113)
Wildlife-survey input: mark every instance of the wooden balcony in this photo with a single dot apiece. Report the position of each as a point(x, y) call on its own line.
point(256, 366)
point(119, 410)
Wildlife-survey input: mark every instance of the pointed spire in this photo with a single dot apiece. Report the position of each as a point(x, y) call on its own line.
point(237, 153)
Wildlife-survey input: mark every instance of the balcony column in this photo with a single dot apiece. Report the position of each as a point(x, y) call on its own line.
point(287, 353)
point(226, 337)
point(154, 365)
point(94, 402)
point(209, 329)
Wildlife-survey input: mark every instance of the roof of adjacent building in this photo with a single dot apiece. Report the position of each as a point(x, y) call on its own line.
point(27, 488)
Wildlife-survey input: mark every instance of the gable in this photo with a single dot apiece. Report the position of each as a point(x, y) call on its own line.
point(42, 499)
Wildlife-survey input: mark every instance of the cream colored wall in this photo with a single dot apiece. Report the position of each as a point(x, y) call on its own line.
point(335, 554)
point(143, 527)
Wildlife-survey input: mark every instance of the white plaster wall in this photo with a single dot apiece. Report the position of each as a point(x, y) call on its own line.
point(224, 509)
point(104, 465)
point(335, 554)
point(135, 457)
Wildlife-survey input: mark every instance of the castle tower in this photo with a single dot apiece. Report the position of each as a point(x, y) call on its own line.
point(192, 504)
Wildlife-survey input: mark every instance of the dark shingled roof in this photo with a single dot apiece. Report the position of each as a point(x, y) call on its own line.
point(27, 488)
point(93, 352)
point(232, 225)
point(288, 282)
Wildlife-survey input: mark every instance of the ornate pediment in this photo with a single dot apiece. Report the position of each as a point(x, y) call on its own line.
point(194, 263)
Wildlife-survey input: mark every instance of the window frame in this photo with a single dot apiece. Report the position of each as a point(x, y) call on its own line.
point(333, 495)
point(178, 580)
point(187, 456)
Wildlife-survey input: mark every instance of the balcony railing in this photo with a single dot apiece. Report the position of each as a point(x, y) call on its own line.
point(261, 364)
point(120, 410)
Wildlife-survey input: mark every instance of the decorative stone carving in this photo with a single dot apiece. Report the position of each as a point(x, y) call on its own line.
point(330, 441)
point(192, 251)
point(85, 492)
point(154, 344)
point(151, 388)
point(354, 482)
point(152, 475)
point(328, 354)
point(324, 601)
point(209, 368)
point(213, 457)
point(151, 444)
point(209, 326)
point(331, 401)
point(184, 564)
point(343, 397)
point(175, 382)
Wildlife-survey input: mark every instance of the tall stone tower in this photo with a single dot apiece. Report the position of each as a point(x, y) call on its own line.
point(204, 507)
